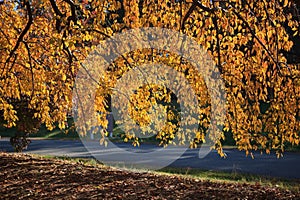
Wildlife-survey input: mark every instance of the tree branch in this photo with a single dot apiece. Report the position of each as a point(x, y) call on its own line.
point(59, 13)
point(55, 8)
point(254, 35)
point(31, 67)
point(196, 3)
point(23, 33)
point(215, 21)
point(73, 17)
point(73, 7)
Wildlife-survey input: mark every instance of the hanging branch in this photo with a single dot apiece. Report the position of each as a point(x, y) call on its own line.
point(31, 67)
point(55, 8)
point(194, 5)
point(21, 36)
point(73, 7)
point(59, 14)
point(215, 21)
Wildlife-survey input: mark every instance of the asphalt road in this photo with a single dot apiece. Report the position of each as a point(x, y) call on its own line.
point(236, 161)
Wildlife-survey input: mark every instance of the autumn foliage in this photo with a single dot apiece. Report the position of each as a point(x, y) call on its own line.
point(43, 44)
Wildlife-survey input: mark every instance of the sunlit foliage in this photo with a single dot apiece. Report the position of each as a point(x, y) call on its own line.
point(43, 44)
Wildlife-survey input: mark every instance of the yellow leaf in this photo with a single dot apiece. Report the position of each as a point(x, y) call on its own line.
point(64, 77)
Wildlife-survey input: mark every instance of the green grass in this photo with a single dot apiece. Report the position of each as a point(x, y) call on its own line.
point(234, 176)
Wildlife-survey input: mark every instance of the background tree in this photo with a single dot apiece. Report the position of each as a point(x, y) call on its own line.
point(43, 44)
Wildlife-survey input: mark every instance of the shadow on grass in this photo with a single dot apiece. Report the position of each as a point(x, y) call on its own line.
point(234, 176)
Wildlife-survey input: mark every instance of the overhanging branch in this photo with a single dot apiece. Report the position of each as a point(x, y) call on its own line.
point(195, 4)
point(23, 33)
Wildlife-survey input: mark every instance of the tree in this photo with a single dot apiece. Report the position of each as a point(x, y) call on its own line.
point(43, 44)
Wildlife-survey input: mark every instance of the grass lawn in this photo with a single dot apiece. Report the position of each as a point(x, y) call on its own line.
point(34, 177)
point(234, 177)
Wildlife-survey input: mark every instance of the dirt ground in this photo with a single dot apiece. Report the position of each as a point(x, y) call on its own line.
point(30, 177)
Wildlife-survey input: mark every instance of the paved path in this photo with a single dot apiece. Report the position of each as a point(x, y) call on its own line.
point(236, 161)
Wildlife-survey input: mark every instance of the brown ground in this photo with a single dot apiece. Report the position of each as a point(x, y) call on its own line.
point(29, 177)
